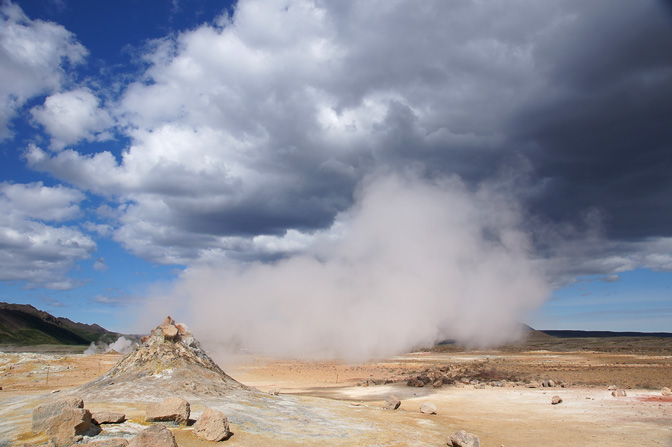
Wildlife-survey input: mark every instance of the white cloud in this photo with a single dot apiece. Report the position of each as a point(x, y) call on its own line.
point(73, 116)
point(249, 136)
point(100, 265)
point(35, 252)
point(36, 201)
point(31, 57)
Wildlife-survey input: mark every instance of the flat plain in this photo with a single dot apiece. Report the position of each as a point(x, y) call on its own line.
point(497, 394)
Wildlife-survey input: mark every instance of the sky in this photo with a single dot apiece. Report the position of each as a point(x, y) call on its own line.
point(486, 162)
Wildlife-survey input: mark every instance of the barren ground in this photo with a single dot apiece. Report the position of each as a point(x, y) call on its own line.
point(324, 405)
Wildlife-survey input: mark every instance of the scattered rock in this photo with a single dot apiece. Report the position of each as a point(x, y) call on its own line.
point(464, 439)
point(107, 417)
point(428, 408)
point(392, 403)
point(416, 383)
point(169, 332)
point(556, 400)
point(110, 442)
point(548, 384)
point(437, 383)
point(67, 427)
point(173, 409)
point(154, 436)
point(424, 378)
point(182, 329)
point(168, 321)
point(619, 393)
point(44, 411)
point(666, 391)
point(212, 426)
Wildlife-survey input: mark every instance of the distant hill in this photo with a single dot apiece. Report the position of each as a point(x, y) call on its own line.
point(24, 325)
point(530, 334)
point(601, 334)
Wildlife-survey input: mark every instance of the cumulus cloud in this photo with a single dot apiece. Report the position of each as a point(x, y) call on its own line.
point(32, 55)
point(412, 262)
point(72, 116)
point(34, 250)
point(248, 135)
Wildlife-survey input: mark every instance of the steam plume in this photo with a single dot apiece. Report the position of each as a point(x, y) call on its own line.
point(413, 262)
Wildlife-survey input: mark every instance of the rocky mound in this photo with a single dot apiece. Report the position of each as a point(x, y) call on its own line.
point(169, 362)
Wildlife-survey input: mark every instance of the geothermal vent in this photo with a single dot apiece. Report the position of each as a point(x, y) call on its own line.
point(169, 362)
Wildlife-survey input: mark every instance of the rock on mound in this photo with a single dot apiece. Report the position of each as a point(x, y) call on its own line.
point(169, 362)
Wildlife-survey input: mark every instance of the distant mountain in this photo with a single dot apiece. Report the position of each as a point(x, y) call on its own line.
point(530, 334)
point(600, 334)
point(24, 325)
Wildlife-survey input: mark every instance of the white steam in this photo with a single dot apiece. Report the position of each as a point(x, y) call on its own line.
point(122, 346)
point(413, 262)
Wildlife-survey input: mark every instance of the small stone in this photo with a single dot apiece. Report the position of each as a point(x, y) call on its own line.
point(612, 388)
point(212, 426)
point(556, 400)
point(168, 321)
point(169, 332)
point(183, 329)
point(428, 408)
point(392, 403)
point(666, 391)
point(619, 393)
point(464, 439)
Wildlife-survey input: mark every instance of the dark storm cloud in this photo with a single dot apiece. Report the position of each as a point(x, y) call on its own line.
point(602, 139)
point(267, 122)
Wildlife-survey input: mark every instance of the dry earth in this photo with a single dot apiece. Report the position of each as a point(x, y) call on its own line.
point(320, 403)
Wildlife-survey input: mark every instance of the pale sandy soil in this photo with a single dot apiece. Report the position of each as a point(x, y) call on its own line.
point(321, 403)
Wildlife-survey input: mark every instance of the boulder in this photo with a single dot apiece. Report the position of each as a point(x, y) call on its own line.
point(428, 408)
point(556, 400)
point(173, 409)
point(424, 378)
point(212, 426)
point(110, 442)
point(612, 388)
point(415, 382)
point(392, 403)
point(154, 436)
point(437, 383)
point(183, 329)
point(107, 417)
point(67, 427)
point(619, 393)
point(44, 411)
point(666, 391)
point(169, 332)
point(548, 384)
point(464, 439)
point(168, 321)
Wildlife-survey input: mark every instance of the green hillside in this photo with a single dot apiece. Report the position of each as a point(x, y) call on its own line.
point(24, 325)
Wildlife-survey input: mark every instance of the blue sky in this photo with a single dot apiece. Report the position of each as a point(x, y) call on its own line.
point(144, 145)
